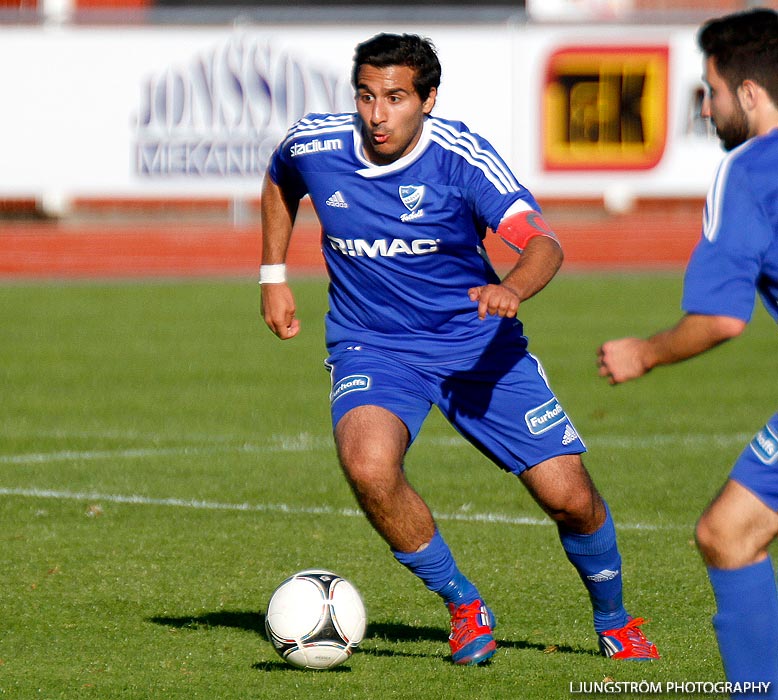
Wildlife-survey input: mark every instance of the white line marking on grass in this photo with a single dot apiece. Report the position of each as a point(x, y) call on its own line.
point(136, 499)
point(85, 455)
point(689, 440)
point(194, 504)
point(298, 443)
point(305, 442)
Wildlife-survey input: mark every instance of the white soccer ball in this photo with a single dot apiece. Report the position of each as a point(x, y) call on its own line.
point(315, 619)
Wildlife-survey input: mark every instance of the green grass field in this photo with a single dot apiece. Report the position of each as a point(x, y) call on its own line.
point(165, 462)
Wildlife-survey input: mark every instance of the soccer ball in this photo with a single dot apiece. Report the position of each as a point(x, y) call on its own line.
point(315, 619)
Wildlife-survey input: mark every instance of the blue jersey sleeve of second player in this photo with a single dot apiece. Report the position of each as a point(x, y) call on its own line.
point(722, 274)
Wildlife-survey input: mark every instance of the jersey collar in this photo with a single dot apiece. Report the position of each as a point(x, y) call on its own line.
point(375, 170)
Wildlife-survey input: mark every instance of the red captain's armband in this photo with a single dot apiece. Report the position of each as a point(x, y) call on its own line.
point(518, 229)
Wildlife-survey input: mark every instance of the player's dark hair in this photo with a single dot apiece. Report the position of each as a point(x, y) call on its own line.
point(744, 46)
point(411, 50)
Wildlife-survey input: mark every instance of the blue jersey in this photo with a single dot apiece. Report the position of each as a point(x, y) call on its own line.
point(403, 242)
point(737, 255)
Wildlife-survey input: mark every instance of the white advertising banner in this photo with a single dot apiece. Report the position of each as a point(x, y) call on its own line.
point(680, 159)
point(159, 112)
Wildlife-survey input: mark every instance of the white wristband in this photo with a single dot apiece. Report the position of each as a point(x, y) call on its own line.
point(272, 274)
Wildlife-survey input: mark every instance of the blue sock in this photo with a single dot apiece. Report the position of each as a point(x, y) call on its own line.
point(436, 567)
point(746, 623)
point(598, 562)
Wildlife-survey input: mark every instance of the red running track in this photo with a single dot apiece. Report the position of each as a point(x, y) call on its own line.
point(657, 235)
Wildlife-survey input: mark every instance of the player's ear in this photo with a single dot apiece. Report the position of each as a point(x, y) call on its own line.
point(429, 103)
point(747, 95)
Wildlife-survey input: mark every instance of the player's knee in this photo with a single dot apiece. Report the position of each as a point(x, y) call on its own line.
point(705, 537)
point(565, 491)
point(371, 473)
point(363, 459)
point(578, 511)
point(374, 474)
point(370, 440)
point(716, 543)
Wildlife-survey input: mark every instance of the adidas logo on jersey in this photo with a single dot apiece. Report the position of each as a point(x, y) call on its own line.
point(337, 200)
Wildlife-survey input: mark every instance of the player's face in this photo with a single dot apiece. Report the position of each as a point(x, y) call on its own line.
point(723, 107)
point(391, 110)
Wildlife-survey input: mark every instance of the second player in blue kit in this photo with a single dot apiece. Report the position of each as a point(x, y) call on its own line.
point(734, 261)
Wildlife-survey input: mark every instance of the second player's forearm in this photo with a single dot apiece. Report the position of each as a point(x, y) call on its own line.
point(693, 335)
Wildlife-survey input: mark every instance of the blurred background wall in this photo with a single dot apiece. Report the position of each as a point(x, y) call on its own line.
point(151, 101)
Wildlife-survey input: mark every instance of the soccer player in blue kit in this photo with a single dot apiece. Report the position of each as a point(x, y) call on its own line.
point(418, 317)
point(736, 258)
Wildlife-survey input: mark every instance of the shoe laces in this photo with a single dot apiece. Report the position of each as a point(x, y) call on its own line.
point(468, 622)
point(633, 635)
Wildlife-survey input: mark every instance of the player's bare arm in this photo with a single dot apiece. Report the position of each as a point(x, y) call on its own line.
point(277, 305)
point(540, 261)
point(629, 358)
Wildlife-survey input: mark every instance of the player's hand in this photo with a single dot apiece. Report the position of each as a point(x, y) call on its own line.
point(622, 360)
point(278, 309)
point(495, 300)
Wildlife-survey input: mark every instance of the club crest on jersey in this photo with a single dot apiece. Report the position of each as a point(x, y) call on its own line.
point(411, 196)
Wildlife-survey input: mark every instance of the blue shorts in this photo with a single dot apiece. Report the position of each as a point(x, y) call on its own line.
point(757, 466)
point(501, 403)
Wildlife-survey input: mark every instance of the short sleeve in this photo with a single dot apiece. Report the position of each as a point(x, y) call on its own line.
point(722, 274)
point(283, 172)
